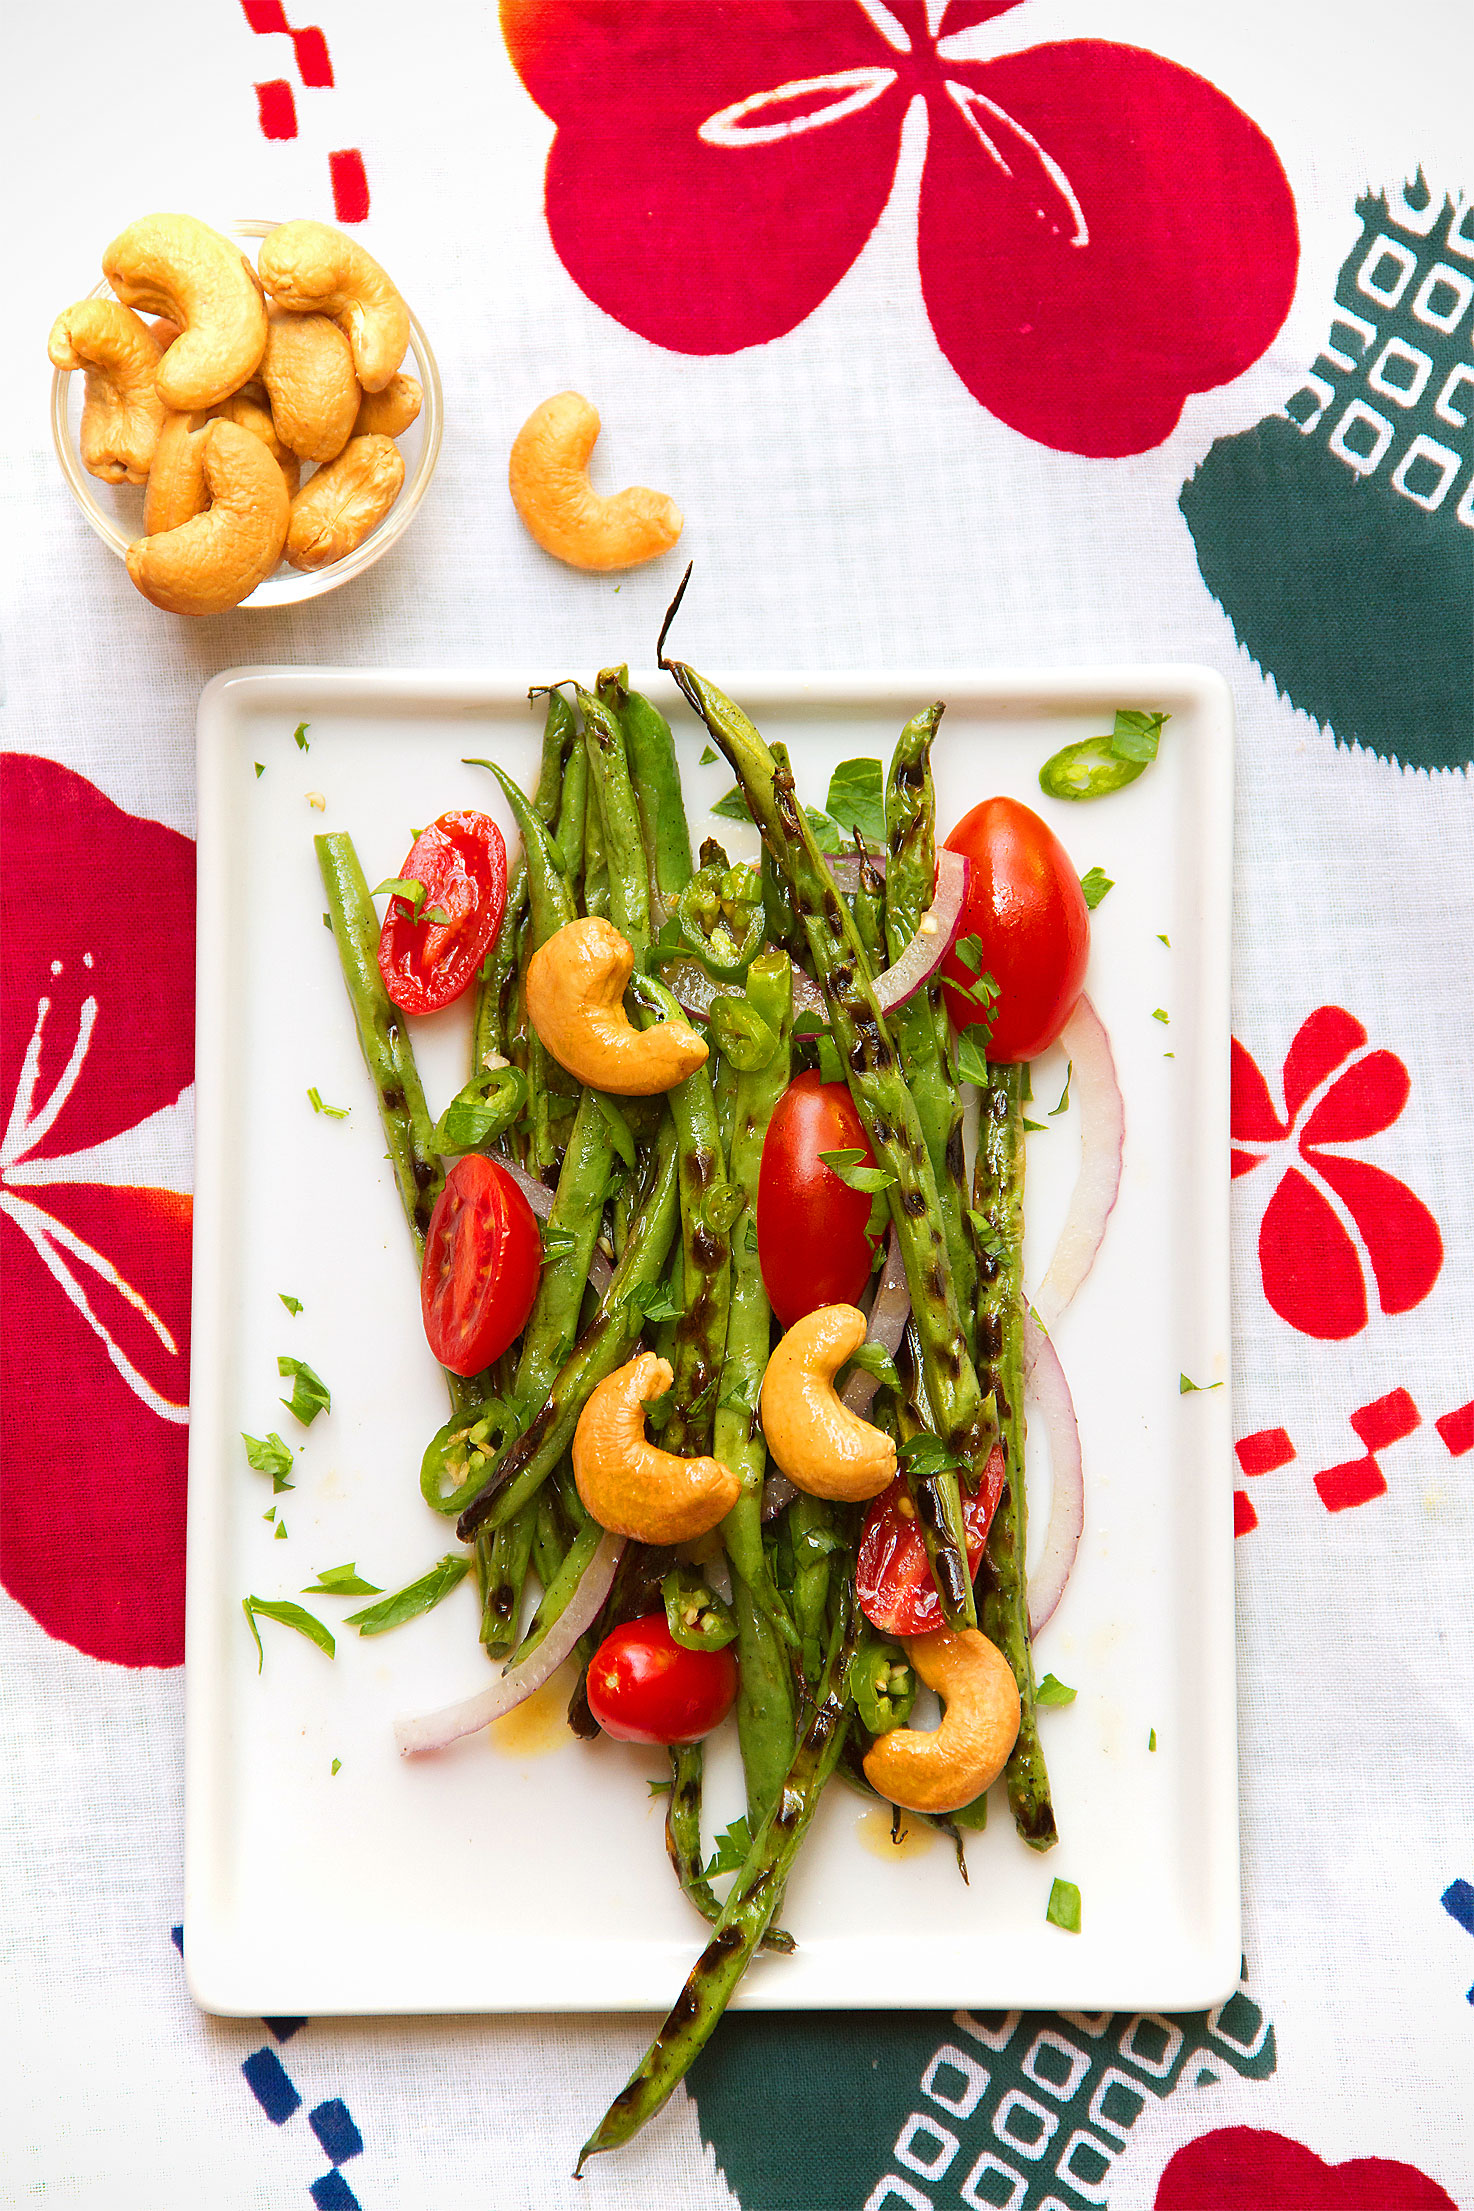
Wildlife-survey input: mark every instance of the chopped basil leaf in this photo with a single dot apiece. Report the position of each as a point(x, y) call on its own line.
point(709, 759)
point(300, 734)
point(558, 1243)
point(1151, 1741)
point(970, 951)
point(659, 1409)
point(662, 1788)
point(1039, 1128)
point(1064, 1907)
point(990, 1243)
point(733, 1844)
point(287, 1616)
point(972, 1053)
point(260, 767)
point(334, 1113)
point(857, 798)
point(873, 1358)
point(751, 1235)
point(342, 1581)
point(925, 1455)
point(485, 1109)
point(336, 1766)
point(269, 1455)
point(731, 806)
point(1064, 1096)
point(437, 914)
point(1135, 735)
point(831, 1068)
point(281, 1531)
point(827, 834)
point(310, 1395)
point(409, 888)
point(652, 1299)
point(408, 1604)
point(269, 1515)
point(1052, 1691)
point(1164, 940)
point(292, 1304)
point(1159, 1013)
point(1095, 883)
point(1185, 1387)
point(846, 1164)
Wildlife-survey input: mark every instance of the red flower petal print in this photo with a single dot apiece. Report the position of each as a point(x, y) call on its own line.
point(1327, 1209)
point(1250, 2169)
point(96, 1040)
point(1101, 231)
point(1091, 262)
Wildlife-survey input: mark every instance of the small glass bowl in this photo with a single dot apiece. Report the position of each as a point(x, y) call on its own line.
point(115, 511)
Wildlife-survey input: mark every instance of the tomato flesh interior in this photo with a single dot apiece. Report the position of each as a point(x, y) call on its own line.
point(893, 1578)
point(483, 1257)
point(461, 862)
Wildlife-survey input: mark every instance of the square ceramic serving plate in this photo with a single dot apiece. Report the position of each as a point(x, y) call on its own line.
point(523, 1870)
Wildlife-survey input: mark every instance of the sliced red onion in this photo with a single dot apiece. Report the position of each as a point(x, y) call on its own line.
point(935, 933)
point(536, 1192)
point(1094, 1086)
point(807, 996)
point(778, 1491)
point(888, 1317)
point(601, 1274)
point(845, 868)
point(1045, 1384)
point(691, 987)
point(434, 1730)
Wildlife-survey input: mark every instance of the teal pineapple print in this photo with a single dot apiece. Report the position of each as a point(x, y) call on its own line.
point(1338, 534)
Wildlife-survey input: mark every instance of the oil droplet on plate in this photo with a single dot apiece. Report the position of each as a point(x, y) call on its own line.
point(874, 1830)
point(539, 1723)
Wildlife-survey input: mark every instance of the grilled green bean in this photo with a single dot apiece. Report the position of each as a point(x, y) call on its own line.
point(624, 851)
point(656, 777)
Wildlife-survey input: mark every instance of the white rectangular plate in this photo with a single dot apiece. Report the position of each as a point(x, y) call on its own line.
point(524, 1871)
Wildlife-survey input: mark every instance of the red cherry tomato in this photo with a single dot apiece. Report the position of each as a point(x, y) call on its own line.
point(811, 1239)
point(462, 863)
point(644, 1687)
point(483, 1256)
point(893, 1579)
point(1025, 902)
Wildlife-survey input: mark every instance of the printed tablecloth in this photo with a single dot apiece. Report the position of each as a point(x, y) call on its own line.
point(998, 332)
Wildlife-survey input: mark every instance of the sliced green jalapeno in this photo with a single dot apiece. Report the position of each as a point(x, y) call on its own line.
point(463, 1452)
point(721, 916)
point(883, 1684)
point(697, 1618)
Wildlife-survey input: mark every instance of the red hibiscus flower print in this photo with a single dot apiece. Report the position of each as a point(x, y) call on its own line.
point(96, 1051)
point(1249, 2169)
point(1101, 232)
point(1331, 1216)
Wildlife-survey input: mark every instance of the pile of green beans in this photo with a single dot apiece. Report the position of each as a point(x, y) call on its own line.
point(668, 1187)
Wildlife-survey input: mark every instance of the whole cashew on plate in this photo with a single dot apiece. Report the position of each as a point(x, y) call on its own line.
point(303, 359)
point(942, 1771)
point(575, 991)
point(821, 1445)
point(628, 1483)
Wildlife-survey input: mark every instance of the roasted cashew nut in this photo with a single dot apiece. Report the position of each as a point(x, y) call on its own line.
point(176, 482)
point(307, 369)
point(942, 1771)
point(122, 413)
point(176, 266)
point(311, 269)
point(631, 1486)
point(818, 1442)
point(389, 413)
point(575, 988)
point(549, 479)
point(254, 415)
point(336, 509)
point(217, 558)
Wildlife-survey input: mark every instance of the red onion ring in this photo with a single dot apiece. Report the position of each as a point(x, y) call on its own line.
point(934, 938)
point(778, 1491)
point(845, 868)
point(1102, 1140)
point(889, 1314)
point(1045, 1384)
point(536, 1191)
point(434, 1730)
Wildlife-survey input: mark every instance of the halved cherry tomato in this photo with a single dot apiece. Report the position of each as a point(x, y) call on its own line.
point(462, 863)
point(1025, 902)
point(811, 1239)
point(483, 1256)
point(893, 1579)
point(645, 1687)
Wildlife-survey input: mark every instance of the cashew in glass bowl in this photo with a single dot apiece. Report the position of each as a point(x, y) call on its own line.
point(941, 1771)
point(122, 414)
point(307, 369)
point(631, 1486)
point(549, 480)
point(336, 508)
point(389, 413)
point(217, 558)
point(575, 991)
point(310, 269)
point(177, 266)
point(821, 1445)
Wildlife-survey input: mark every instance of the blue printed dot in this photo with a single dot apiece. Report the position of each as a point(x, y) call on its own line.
point(332, 2193)
point(284, 2029)
point(267, 2080)
point(333, 2125)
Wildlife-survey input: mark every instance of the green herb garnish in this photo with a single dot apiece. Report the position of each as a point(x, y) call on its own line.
point(1052, 1691)
point(336, 1766)
point(483, 1110)
point(733, 1844)
point(1095, 883)
point(972, 1052)
point(709, 759)
point(1151, 1741)
point(847, 1165)
point(731, 806)
point(857, 798)
point(287, 1616)
point(1064, 1907)
point(1064, 1096)
point(408, 1604)
point(924, 1455)
point(334, 1113)
point(1099, 765)
point(1164, 940)
point(310, 1395)
point(1160, 1013)
point(1185, 1387)
point(281, 1532)
point(269, 1455)
point(292, 1304)
point(342, 1581)
point(300, 734)
point(260, 767)
point(407, 888)
point(873, 1358)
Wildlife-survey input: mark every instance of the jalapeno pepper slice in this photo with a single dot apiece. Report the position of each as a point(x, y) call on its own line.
point(697, 1618)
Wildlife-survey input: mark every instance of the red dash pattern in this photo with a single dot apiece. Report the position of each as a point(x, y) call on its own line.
point(1265, 1451)
point(350, 186)
point(277, 109)
point(1356, 1482)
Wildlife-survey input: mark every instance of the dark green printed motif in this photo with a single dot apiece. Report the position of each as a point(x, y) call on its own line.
point(1338, 534)
point(987, 2111)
